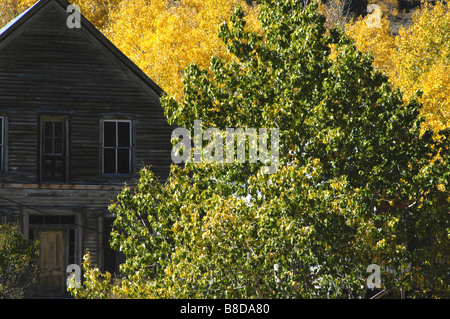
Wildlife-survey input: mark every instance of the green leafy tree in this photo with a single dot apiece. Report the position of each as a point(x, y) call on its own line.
point(18, 263)
point(357, 183)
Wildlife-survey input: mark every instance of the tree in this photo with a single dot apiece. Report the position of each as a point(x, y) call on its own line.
point(356, 184)
point(18, 263)
point(416, 60)
point(337, 12)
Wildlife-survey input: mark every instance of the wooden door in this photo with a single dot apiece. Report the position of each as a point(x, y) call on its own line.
point(52, 263)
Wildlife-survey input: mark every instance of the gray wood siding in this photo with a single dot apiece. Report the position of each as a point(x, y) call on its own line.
point(51, 69)
point(84, 200)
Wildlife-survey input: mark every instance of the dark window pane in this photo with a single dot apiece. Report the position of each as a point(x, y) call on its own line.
point(123, 159)
point(58, 129)
point(53, 167)
point(58, 146)
point(1, 131)
point(53, 157)
point(48, 146)
point(111, 258)
point(51, 220)
point(117, 144)
point(124, 134)
point(47, 169)
point(36, 219)
point(58, 168)
point(67, 219)
point(71, 246)
point(109, 135)
point(109, 160)
point(48, 129)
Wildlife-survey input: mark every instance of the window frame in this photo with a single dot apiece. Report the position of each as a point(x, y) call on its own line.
point(65, 148)
point(116, 147)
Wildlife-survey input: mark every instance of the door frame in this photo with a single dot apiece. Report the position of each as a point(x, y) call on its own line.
point(30, 230)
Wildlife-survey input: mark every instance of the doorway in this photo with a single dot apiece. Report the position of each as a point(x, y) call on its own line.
point(57, 236)
point(52, 262)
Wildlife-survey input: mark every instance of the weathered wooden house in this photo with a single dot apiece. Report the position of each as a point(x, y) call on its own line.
point(77, 121)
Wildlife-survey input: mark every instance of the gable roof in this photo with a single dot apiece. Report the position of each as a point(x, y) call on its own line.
point(15, 27)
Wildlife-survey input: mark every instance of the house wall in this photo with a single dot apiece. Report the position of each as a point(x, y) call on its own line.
point(51, 70)
point(88, 203)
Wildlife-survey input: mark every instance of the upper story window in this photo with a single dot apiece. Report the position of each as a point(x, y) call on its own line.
point(54, 149)
point(117, 147)
point(2, 143)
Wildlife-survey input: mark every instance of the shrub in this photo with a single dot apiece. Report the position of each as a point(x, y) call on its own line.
point(18, 263)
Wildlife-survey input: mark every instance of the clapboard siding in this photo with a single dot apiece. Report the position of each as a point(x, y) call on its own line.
point(51, 68)
point(78, 201)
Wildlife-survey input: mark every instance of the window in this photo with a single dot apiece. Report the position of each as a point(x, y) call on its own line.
point(2, 143)
point(53, 164)
point(111, 258)
point(116, 147)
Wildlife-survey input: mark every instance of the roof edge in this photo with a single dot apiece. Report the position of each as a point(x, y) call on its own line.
point(21, 19)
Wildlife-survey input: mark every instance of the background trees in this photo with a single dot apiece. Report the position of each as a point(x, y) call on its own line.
point(361, 179)
point(416, 59)
point(163, 37)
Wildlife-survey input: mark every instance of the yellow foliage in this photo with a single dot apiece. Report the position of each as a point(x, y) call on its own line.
point(418, 58)
point(376, 39)
point(96, 11)
point(162, 37)
point(435, 85)
point(9, 9)
point(423, 62)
